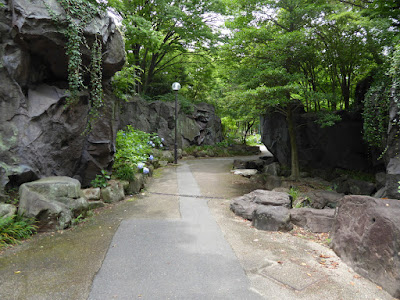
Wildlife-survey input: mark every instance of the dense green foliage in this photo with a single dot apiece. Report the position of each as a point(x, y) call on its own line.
point(281, 55)
point(134, 148)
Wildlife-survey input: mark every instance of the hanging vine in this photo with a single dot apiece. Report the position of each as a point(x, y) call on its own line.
point(78, 14)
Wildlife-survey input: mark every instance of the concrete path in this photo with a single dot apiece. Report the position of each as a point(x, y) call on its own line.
point(173, 259)
point(159, 245)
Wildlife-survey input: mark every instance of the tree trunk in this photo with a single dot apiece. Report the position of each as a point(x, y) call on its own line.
point(295, 174)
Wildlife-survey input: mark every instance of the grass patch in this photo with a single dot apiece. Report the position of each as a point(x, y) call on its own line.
point(15, 228)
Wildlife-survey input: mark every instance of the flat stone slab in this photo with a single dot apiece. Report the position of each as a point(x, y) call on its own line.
point(245, 172)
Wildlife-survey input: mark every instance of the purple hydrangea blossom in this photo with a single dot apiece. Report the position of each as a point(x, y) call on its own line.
point(140, 165)
point(146, 170)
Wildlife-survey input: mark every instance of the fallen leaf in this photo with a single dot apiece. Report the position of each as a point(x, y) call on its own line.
point(324, 256)
point(352, 283)
point(309, 274)
point(303, 264)
point(357, 276)
point(17, 272)
point(280, 262)
point(379, 287)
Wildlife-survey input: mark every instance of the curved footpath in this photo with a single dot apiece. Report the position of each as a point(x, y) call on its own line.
point(178, 240)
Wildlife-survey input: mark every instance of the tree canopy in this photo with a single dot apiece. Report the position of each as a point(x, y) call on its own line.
point(274, 54)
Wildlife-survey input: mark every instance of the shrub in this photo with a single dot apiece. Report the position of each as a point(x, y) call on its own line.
point(134, 149)
point(15, 228)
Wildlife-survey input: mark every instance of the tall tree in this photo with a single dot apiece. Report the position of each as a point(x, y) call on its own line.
point(159, 32)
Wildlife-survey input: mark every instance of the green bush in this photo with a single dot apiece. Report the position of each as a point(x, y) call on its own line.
point(15, 228)
point(134, 148)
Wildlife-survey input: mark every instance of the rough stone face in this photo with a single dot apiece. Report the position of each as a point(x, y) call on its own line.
point(315, 220)
point(92, 193)
point(273, 169)
point(245, 205)
point(338, 146)
point(53, 201)
point(114, 192)
point(201, 127)
point(244, 208)
point(272, 182)
point(39, 137)
point(272, 218)
point(366, 236)
point(134, 187)
point(321, 199)
point(354, 186)
point(392, 156)
point(7, 210)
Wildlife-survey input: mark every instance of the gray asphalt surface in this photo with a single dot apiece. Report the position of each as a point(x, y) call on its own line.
point(186, 258)
point(158, 245)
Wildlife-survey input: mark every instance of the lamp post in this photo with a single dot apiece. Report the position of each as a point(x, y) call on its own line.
point(176, 87)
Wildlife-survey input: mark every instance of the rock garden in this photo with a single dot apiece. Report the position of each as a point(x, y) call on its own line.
point(363, 228)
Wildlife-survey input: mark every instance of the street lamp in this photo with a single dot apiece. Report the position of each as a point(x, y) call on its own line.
point(176, 87)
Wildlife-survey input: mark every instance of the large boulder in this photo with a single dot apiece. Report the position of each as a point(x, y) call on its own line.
point(245, 205)
point(39, 136)
point(201, 127)
point(272, 218)
point(366, 236)
point(52, 201)
point(315, 220)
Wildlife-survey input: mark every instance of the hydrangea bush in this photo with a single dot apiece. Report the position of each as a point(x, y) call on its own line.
point(134, 149)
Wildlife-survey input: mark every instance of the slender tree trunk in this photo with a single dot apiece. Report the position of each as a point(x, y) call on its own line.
point(295, 174)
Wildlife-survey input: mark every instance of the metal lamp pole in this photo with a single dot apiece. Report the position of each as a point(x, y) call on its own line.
point(176, 87)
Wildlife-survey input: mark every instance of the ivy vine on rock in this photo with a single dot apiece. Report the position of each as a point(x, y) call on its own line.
point(78, 14)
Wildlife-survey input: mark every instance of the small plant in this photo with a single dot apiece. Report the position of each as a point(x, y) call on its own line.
point(15, 228)
point(101, 180)
point(294, 192)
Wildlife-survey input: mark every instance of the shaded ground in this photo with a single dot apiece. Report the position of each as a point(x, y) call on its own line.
point(62, 265)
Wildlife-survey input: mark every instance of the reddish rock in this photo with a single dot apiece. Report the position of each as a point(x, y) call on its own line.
point(366, 235)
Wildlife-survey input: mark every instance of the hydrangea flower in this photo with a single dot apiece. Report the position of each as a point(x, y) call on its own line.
point(161, 145)
point(162, 139)
point(140, 165)
point(151, 157)
point(146, 170)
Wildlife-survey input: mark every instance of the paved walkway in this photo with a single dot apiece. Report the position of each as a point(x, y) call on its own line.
point(160, 245)
point(173, 259)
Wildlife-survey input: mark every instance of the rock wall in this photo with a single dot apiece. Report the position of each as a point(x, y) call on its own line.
point(201, 127)
point(393, 148)
point(38, 135)
point(338, 146)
